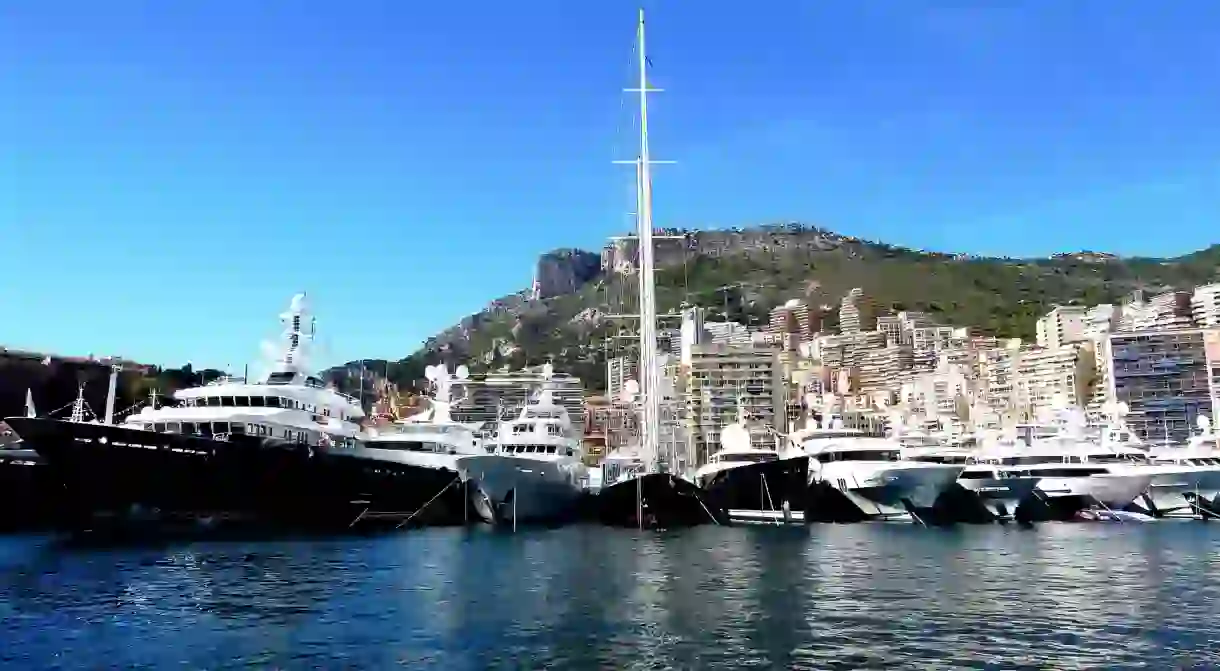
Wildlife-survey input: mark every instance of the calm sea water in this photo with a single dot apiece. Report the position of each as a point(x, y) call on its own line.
point(863, 596)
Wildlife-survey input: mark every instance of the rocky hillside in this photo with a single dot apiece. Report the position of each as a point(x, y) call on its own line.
point(742, 274)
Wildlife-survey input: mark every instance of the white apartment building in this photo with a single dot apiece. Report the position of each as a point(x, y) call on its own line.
point(1205, 305)
point(1168, 310)
point(1063, 325)
point(857, 312)
point(1043, 375)
point(718, 376)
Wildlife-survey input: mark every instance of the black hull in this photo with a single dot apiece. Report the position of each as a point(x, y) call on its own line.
point(399, 495)
point(116, 477)
point(30, 498)
point(665, 500)
point(773, 487)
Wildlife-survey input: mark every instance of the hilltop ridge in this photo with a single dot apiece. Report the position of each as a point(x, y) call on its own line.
point(741, 274)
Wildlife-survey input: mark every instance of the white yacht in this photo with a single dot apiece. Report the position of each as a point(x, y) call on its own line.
point(871, 475)
point(1181, 475)
point(1067, 480)
point(534, 472)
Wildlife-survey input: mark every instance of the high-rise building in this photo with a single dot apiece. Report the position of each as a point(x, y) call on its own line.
point(1045, 376)
point(1061, 326)
point(1205, 305)
point(1168, 310)
point(857, 312)
point(791, 318)
point(1167, 378)
point(719, 375)
point(502, 395)
point(619, 369)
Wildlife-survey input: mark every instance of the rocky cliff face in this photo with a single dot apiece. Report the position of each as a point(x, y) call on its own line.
point(565, 271)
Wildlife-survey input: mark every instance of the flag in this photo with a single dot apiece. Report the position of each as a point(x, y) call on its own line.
point(648, 60)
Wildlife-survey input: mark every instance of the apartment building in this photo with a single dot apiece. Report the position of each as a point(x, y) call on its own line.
point(1045, 376)
point(795, 318)
point(1167, 378)
point(718, 376)
point(1063, 325)
point(1168, 310)
point(502, 395)
point(857, 312)
point(1205, 306)
point(619, 369)
point(879, 369)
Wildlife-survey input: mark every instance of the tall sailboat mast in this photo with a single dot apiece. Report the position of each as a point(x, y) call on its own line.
point(650, 386)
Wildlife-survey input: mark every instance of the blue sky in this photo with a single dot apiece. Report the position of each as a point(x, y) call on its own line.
point(172, 172)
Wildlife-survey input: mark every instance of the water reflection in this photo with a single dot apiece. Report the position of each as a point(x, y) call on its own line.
point(1071, 596)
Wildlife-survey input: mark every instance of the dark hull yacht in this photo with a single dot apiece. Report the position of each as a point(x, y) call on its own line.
point(769, 491)
point(117, 474)
point(656, 501)
point(30, 498)
point(274, 453)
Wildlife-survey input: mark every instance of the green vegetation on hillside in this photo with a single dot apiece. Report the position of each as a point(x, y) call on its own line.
point(1002, 297)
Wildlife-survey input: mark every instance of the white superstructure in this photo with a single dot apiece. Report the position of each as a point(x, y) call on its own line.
point(288, 403)
point(431, 439)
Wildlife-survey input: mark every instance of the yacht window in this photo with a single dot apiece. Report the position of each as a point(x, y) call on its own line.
point(159, 427)
point(220, 427)
point(861, 455)
point(257, 401)
point(751, 458)
point(239, 429)
point(279, 378)
point(976, 475)
point(553, 430)
point(569, 452)
point(550, 449)
point(1108, 459)
point(243, 401)
point(1064, 472)
point(173, 427)
point(273, 401)
point(205, 429)
point(1019, 461)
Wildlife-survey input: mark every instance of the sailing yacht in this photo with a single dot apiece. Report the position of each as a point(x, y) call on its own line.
point(230, 450)
point(646, 494)
point(535, 471)
point(407, 472)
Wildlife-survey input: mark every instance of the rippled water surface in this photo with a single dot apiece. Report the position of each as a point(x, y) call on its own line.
point(863, 596)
